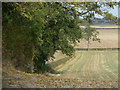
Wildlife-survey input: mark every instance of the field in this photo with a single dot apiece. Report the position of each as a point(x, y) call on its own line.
point(98, 65)
point(87, 69)
point(104, 25)
point(97, 68)
point(108, 38)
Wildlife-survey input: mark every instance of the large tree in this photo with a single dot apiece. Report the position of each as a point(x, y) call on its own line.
point(32, 32)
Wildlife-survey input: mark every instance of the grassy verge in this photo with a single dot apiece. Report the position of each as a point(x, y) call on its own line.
point(56, 63)
point(59, 62)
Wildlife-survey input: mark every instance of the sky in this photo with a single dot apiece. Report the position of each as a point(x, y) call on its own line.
point(115, 11)
point(112, 11)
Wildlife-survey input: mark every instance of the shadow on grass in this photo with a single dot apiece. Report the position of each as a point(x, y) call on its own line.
point(52, 71)
point(57, 72)
point(54, 64)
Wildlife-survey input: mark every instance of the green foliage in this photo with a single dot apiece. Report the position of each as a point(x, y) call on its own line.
point(109, 16)
point(90, 33)
point(58, 31)
point(36, 33)
point(16, 36)
point(32, 32)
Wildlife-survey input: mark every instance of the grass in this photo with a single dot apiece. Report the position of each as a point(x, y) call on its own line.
point(63, 59)
point(101, 65)
point(12, 78)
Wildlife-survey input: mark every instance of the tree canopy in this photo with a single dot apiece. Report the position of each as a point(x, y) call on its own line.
point(33, 31)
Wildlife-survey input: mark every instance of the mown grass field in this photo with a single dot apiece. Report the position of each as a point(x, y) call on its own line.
point(99, 65)
point(93, 69)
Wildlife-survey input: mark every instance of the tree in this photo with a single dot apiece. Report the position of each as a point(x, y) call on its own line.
point(17, 43)
point(117, 20)
point(32, 32)
point(90, 33)
point(109, 16)
point(60, 30)
point(45, 30)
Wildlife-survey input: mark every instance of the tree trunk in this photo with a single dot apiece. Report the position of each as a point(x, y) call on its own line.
point(88, 43)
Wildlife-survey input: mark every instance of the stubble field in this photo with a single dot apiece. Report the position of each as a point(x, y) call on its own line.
point(108, 38)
